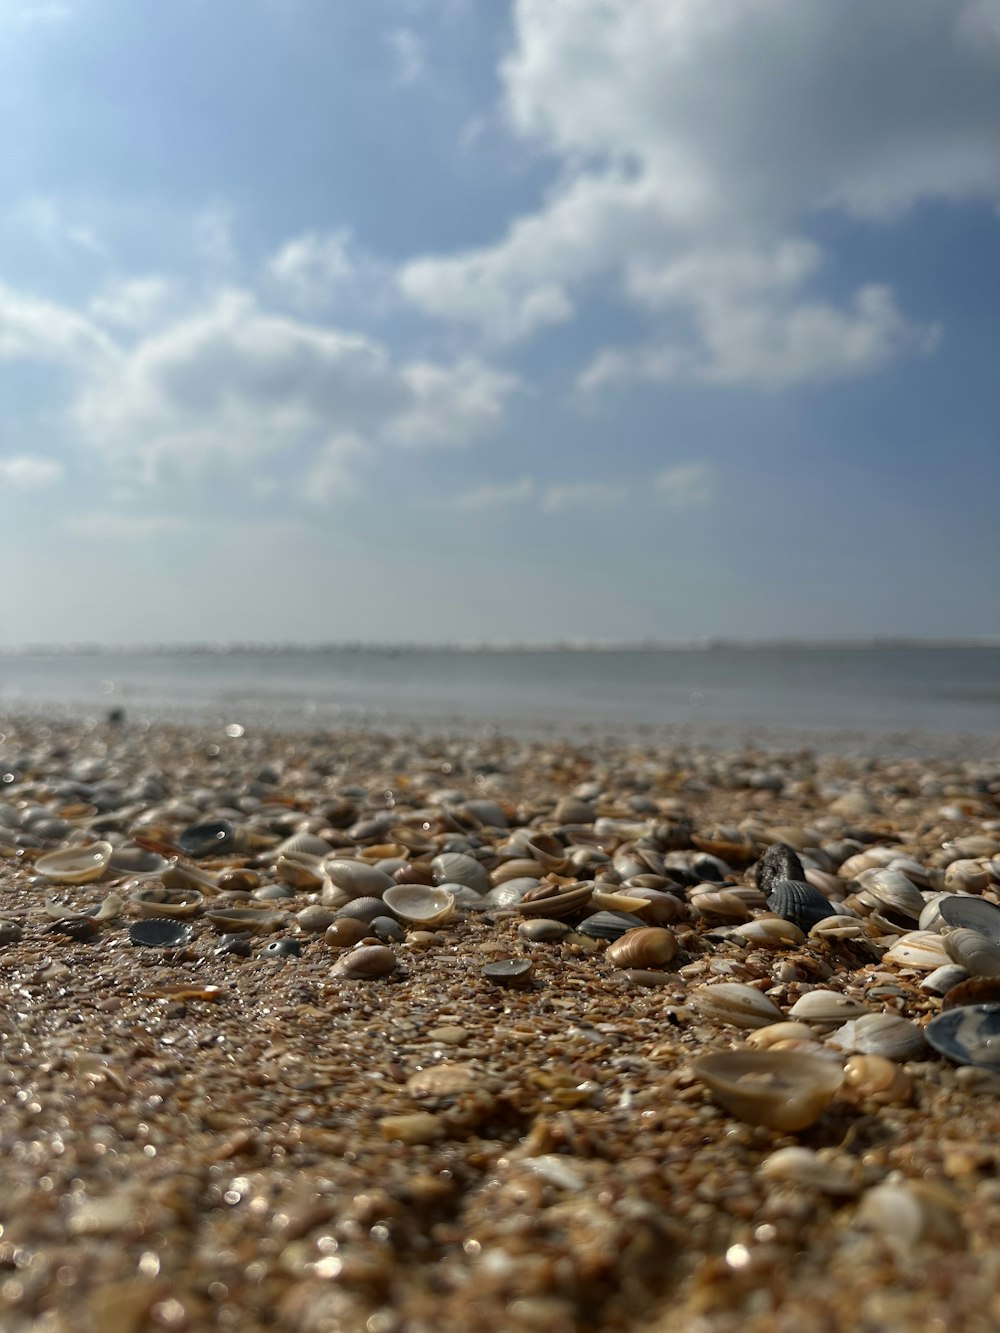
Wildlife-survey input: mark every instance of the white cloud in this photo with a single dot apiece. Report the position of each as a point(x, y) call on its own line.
point(408, 56)
point(582, 495)
point(39, 330)
point(29, 472)
point(52, 222)
point(135, 303)
point(114, 527)
point(331, 475)
point(450, 404)
point(693, 191)
point(684, 484)
point(320, 269)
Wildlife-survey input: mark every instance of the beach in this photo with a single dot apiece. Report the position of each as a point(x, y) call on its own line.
point(472, 1107)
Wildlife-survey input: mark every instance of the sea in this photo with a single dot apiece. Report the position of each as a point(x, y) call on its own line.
point(909, 699)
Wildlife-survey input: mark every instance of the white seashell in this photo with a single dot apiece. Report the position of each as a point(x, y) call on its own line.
point(835, 928)
point(968, 876)
point(771, 932)
point(356, 878)
point(719, 904)
point(943, 978)
point(907, 1212)
point(802, 1166)
point(303, 845)
point(977, 953)
point(461, 869)
point(784, 1090)
point(420, 904)
point(826, 1008)
point(880, 1034)
point(889, 890)
point(75, 865)
point(922, 949)
point(734, 1003)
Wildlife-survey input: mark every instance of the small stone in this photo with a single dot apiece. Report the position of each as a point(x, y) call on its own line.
point(509, 971)
point(10, 932)
point(420, 1127)
point(449, 1034)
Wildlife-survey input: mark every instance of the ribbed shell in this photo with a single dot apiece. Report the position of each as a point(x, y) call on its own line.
point(779, 862)
point(797, 901)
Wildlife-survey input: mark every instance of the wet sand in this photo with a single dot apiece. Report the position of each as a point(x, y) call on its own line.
point(196, 1139)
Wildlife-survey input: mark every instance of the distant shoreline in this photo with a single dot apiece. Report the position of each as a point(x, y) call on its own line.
point(987, 642)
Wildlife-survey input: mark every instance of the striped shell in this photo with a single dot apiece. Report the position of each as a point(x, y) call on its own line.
point(797, 901)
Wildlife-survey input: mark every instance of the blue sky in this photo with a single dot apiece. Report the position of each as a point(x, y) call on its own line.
point(439, 319)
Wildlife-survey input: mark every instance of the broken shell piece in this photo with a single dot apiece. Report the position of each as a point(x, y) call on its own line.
point(420, 904)
point(801, 1166)
point(943, 979)
point(874, 1078)
point(840, 927)
point(256, 921)
point(75, 865)
point(158, 900)
point(783, 1090)
point(734, 1003)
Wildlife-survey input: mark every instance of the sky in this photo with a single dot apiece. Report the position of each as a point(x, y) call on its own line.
point(468, 320)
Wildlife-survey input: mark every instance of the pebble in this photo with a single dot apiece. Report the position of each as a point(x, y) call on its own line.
point(509, 971)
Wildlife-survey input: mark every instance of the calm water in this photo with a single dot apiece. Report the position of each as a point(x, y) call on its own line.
point(705, 692)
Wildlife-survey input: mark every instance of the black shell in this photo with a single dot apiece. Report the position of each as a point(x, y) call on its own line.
point(958, 909)
point(779, 862)
point(797, 901)
point(213, 839)
point(387, 929)
point(282, 949)
point(969, 1035)
point(609, 925)
point(160, 932)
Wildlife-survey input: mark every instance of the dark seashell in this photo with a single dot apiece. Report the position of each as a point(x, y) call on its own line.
point(609, 925)
point(281, 949)
point(238, 944)
point(364, 909)
point(779, 862)
point(509, 971)
point(388, 930)
point(958, 910)
point(77, 928)
point(710, 869)
point(797, 901)
point(974, 990)
point(969, 1035)
point(212, 839)
point(160, 932)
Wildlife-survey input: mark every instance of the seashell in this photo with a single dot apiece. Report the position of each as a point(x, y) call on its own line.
point(346, 931)
point(943, 979)
point(459, 868)
point(547, 850)
point(719, 904)
point(646, 946)
point(922, 949)
point(967, 876)
point(782, 1090)
point(880, 1034)
point(889, 890)
point(877, 1079)
point(79, 928)
point(158, 900)
point(838, 927)
point(770, 932)
point(420, 904)
point(366, 960)
point(907, 1212)
point(829, 885)
point(444, 1080)
point(802, 1166)
point(549, 900)
point(75, 865)
point(387, 929)
point(542, 930)
point(762, 1039)
point(662, 909)
point(734, 1003)
point(517, 869)
point(136, 861)
point(955, 910)
point(216, 838)
point(256, 921)
point(103, 911)
point(364, 909)
point(177, 876)
point(735, 851)
point(300, 874)
point(273, 893)
point(237, 879)
point(778, 862)
point(969, 1035)
point(608, 900)
point(10, 932)
point(508, 895)
point(302, 846)
point(870, 859)
point(315, 918)
point(356, 879)
point(281, 949)
point(977, 953)
point(826, 1008)
point(160, 932)
point(509, 971)
point(609, 925)
point(797, 901)
point(973, 990)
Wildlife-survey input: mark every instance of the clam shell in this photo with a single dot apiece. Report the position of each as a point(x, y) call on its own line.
point(299, 873)
point(366, 960)
point(420, 904)
point(944, 978)
point(889, 890)
point(770, 932)
point(797, 901)
point(958, 910)
point(459, 868)
point(158, 900)
point(256, 921)
point(540, 902)
point(719, 904)
point(356, 879)
point(348, 930)
point(609, 925)
point(662, 909)
point(160, 932)
point(826, 1008)
point(876, 1078)
point(302, 845)
point(364, 909)
point(838, 928)
point(968, 1036)
point(218, 837)
point(509, 894)
point(922, 949)
point(736, 1004)
point(762, 1039)
point(968, 875)
point(880, 1034)
point(75, 865)
point(611, 900)
point(646, 946)
point(783, 1090)
point(977, 953)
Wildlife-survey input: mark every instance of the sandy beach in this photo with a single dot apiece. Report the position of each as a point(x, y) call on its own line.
point(472, 1119)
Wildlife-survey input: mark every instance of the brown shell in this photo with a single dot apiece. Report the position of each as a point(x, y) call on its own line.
point(646, 946)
